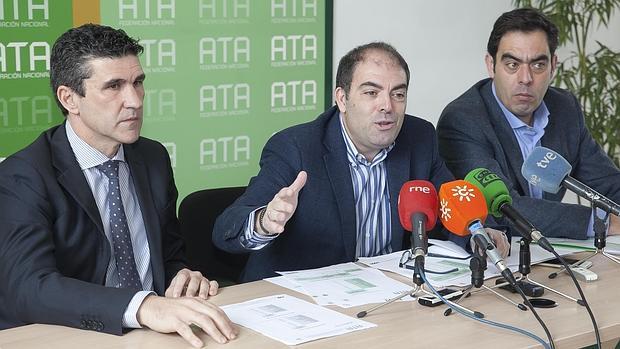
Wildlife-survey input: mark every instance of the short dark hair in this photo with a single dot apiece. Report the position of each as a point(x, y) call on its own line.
point(524, 20)
point(349, 62)
point(71, 53)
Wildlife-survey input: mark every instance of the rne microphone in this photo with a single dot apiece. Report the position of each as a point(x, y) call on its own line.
point(417, 211)
point(548, 170)
point(462, 211)
point(499, 203)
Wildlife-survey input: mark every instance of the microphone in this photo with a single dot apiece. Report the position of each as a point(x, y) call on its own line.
point(417, 211)
point(499, 203)
point(462, 211)
point(548, 170)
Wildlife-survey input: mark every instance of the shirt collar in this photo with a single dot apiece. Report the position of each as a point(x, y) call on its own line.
point(540, 116)
point(354, 155)
point(86, 155)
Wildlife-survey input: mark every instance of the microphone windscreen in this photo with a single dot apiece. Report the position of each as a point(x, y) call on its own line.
point(546, 169)
point(492, 187)
point(461, 203)
point(418, 196)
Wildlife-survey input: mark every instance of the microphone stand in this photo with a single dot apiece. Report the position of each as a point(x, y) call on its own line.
point(525, 268)
point(418, 286)
point(600, 241)
point(477, 265)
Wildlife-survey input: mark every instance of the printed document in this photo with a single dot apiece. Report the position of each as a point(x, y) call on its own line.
point(346, 285)
point(291, 320)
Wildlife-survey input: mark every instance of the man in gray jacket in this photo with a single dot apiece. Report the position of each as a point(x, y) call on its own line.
point(498, 121)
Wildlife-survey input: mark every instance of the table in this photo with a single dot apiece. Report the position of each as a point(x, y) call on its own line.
point(400, 325)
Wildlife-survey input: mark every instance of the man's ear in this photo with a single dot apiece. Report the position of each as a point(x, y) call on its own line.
point(488, 60)
point(341, 99)
point(68, 98)
point(554, 66)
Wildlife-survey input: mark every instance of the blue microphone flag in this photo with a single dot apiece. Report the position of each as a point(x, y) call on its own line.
point(545, 168)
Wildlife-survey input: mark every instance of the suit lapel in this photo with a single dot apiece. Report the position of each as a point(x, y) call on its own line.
point(71, 178)
point(505, 136)
point(141, 182)
point(398, 163)
point(337, 166)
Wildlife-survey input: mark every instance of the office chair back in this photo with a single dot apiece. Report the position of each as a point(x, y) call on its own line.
point(197, 214)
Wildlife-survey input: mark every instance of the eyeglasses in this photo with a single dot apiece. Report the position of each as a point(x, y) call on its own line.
point(407, 257)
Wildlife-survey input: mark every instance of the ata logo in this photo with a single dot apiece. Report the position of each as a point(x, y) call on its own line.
point(224, 53)
point(146, 12)
point(296, 95)
point(224, 11)
point(160, 105)
point(159, 55)
point(24, 13)
point(25, 113)
point(294, 11)
point(24, 60)
point(293, 50)
point(224, 99)
point(224, 152)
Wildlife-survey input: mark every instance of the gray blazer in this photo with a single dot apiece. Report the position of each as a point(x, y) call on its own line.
point(473, 132)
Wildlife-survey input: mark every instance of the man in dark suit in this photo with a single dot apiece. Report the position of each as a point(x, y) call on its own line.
point(497, 123)
point(346, 169)
point(89, 234)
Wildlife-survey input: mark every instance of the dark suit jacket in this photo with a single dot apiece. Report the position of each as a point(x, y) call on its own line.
point(53, 250)
point(323, 230)
point(473, 132)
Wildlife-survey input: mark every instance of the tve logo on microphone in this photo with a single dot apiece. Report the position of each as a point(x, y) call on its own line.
point(546, 160)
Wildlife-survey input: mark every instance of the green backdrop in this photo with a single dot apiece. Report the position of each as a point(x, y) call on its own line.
point(222, 75)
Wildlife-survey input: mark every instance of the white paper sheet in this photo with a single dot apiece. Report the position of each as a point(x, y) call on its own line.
point(291, 320)
point(346, 285)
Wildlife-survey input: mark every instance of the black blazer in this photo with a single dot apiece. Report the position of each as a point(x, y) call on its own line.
point(53, 250)
point(323, 231)
point(473, 132)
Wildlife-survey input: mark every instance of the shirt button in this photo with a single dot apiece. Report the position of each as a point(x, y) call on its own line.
point(368, 235)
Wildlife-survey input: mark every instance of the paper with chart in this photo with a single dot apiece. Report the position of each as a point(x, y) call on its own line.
point(346, 285)
point(292, 321)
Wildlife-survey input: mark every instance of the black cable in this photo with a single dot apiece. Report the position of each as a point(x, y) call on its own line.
point(507, 274)
point(583, 300)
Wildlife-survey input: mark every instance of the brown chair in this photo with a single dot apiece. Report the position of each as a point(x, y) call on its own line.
point(197, 214)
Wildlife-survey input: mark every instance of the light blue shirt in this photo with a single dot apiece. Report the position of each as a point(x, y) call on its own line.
point(529, 137)
point(89, 158)
point(372, 199)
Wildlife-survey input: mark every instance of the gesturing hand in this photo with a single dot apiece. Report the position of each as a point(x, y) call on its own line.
point(281, 208)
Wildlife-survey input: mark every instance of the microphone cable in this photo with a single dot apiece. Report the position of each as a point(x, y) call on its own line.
point(490, 322)
point(583, 300)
